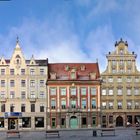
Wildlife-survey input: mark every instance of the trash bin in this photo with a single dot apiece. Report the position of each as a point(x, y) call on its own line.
point(94, 133)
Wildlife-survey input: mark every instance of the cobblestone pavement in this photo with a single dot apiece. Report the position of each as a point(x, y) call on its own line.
point(121, 134)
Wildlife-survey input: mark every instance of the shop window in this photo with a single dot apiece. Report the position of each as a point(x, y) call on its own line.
point(39, 121)
point(26, 122)
point(1, 122)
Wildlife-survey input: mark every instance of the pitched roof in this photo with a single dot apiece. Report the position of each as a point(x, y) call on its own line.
point(63, 70)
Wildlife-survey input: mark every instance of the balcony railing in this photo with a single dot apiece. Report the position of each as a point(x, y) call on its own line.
point(73, 110)
point(32, 99)
point(3, 99)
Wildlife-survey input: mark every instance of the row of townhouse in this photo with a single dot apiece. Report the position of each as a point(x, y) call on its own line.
point(37, 95)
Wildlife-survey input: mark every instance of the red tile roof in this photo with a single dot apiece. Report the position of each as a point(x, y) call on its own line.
point(63, 74)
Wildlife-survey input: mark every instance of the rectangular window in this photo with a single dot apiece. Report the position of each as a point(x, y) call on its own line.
point(32, 94)
point(26, 122)
point(110, 92)
point(32, 107)
point(2, 107)
point(72, 91)
point(110, 119)
point(93, 91)
point(110, 104)
point(12, 94)
point(22, 71)
point(136, 79)
point(136, 105)
point(2, 94)
point(1, 122)
point(103, 105)
point(2, 71)
point(42, 94)
point(103, 91)
point(12, 72)
point(84, 121)
point(2, 83)
point(63, 122)
point(42, 83)
point(136, 91)
point(23, 94)
point(12, 108)
point(119, 79)
point(73, 104)
point(23, 83)
point(83, 103)
point(63, 91)
point(22, 107)
point(128, 91)
point(129, 79)
point(39, 122)
point(83, 91)
point(41, 107)
point(119, 104)
point(53, 104)
point(110, 79)
point(129, 104)
point(119, 91)
point(12, 83)
point(32, 71)
point(93, 103)
point(32, 83)
point(63, 104)
point(52, 91)
point(42, 72)
point(53, 122)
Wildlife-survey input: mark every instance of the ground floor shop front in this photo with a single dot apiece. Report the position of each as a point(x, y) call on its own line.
point(73, 120)
point(120, 119)
point(19, 121)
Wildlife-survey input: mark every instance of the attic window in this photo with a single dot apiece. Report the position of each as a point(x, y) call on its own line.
point(53, 76)
point(83, 68)
point(2, 63)
point(92, 76)
point(66, 68)
point(32, 63)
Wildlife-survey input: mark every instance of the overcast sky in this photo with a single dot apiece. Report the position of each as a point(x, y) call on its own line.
point(69, 30)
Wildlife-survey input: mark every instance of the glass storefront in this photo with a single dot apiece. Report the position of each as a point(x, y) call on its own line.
point(26, 122)
point(39, 121)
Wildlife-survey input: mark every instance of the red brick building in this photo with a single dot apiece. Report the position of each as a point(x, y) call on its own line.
point(73, 95)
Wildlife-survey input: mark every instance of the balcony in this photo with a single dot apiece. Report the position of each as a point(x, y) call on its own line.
point(32, 99)
point(129, 107)
point(73, 110)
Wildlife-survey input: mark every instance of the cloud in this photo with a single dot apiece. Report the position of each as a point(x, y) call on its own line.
point(99, 42)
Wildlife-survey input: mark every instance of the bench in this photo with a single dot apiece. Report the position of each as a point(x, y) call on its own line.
point(13, 133)
point(137, 131)
point(52, 133)
point(108, 132)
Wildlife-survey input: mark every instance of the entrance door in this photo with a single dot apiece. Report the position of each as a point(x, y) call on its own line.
point(73, 122)
point(13, 123)
point(119, 121)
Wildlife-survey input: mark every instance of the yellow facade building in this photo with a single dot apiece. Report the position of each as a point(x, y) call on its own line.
point(22, 92)
point(120, 99)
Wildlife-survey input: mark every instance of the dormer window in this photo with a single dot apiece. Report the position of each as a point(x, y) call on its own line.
point(92, 76)
point(73, 74)
point(17, 59)
point(83, 68)
point(121, 51)
point(66, 68)
point(53, 76)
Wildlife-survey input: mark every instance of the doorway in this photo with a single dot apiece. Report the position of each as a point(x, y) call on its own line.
point(12, 123)
point(119, 121)
point(73, 122)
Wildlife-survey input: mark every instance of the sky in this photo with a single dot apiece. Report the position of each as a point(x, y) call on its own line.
point(69, 30)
